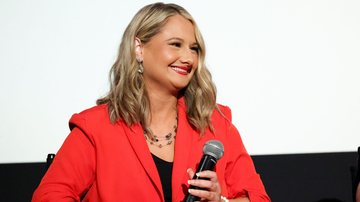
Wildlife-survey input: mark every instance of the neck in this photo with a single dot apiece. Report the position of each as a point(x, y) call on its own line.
point(162, 107)
point(162, 123)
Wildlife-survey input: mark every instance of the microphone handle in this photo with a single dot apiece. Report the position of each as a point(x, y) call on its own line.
point(207, 163)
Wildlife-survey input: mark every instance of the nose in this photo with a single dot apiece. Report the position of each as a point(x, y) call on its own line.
point(188, 56)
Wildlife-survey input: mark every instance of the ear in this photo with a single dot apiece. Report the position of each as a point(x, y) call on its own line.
point(138, 49)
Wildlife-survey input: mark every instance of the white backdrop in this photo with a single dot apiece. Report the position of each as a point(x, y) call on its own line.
point(290, 70)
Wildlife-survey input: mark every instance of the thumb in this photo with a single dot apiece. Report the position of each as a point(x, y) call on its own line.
point(190, 173)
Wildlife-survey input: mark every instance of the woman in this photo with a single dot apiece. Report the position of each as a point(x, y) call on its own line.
point(125, 149)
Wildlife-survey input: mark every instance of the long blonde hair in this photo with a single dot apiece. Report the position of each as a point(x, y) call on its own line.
point(127, 98)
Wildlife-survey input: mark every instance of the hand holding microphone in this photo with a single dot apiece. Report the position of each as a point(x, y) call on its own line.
point(206, 185)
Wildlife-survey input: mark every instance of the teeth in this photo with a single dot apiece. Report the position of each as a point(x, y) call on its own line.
point(178, 69)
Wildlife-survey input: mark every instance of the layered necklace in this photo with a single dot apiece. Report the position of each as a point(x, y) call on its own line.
point(161, 141)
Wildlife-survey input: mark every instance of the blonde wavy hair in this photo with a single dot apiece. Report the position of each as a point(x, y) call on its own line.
point(127, 98)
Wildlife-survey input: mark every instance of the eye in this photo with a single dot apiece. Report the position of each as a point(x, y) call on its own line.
point(195, 49)
point(176, 44)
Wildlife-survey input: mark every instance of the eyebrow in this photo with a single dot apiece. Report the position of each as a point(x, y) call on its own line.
point(182, 40)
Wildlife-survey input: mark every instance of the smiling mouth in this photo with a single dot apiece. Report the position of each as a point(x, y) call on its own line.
point(184, 70)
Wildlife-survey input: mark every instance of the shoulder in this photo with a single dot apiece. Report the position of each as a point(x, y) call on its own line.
point(222, 113)
point(95, 111)
point(221, 120)
point(93, 116)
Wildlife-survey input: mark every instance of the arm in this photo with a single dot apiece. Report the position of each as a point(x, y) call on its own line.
point(241, 176)
point(72, 171)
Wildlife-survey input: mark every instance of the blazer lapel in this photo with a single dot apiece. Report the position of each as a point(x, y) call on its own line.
point(136, 138)
point(183, 145)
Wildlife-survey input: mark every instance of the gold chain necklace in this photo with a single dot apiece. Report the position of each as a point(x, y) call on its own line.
point(160, 141)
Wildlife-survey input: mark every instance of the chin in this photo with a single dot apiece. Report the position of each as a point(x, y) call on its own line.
point(181, 85)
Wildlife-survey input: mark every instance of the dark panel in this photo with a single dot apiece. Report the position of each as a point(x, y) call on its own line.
point(307, 177)
point(19, 180)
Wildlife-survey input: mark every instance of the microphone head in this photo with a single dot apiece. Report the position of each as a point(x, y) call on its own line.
point(214, 148)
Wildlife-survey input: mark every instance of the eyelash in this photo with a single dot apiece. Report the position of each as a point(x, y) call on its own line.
point(196, 49)
point(178, 45)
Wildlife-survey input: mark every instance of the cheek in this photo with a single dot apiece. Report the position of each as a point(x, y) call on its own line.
point(196, 62)
point(169, 55)
point(160, 55)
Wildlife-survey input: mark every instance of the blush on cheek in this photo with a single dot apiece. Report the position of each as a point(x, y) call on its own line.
point(170, 57)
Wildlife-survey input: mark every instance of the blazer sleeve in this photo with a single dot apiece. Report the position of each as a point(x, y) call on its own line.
point(73, 169)
point(240, 173)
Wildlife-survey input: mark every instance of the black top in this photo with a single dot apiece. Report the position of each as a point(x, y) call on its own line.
point(165, 170)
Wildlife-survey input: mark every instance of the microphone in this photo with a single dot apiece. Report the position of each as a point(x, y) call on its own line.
point(213, 150)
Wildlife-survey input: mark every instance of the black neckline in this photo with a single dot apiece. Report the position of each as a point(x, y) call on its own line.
point(160, 159)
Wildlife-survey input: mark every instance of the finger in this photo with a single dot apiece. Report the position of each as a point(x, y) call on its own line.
point(209, 196)
point(208, 174)
point(190, 172)
point(206, 184)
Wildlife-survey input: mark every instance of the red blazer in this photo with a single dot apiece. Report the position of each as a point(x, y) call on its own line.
point(100, 161)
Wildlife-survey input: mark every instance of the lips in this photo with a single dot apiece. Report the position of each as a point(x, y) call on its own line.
point(183, 70)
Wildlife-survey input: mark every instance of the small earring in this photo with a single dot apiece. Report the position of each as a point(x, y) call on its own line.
point(141, 68)
point(139, 60)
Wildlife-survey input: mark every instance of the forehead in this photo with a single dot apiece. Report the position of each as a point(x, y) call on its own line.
point(178, 27)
